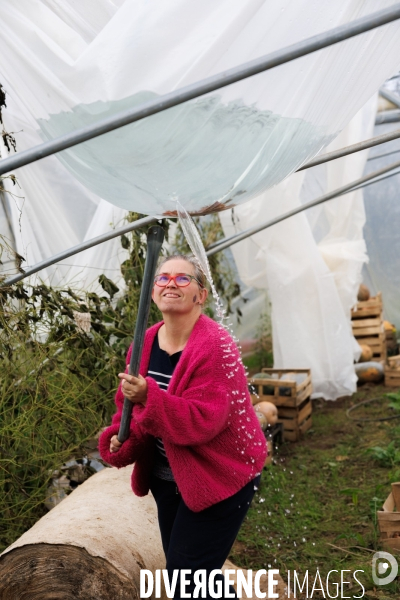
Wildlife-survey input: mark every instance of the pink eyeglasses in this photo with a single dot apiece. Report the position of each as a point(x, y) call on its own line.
point(181, 280)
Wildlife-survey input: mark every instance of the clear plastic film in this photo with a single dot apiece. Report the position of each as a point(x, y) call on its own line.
point(311, 264)
point(66, 65)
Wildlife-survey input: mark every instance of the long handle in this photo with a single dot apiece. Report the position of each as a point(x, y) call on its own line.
point(155, 238)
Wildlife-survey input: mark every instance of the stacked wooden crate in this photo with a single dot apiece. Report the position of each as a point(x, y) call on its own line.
point(389, 521)
point(367, 326)
point(392, 372)
point(391, 341)
point(290, 390)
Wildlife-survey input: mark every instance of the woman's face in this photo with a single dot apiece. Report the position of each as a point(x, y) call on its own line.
point(174, 299)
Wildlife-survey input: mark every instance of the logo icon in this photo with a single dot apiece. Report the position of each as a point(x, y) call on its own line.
point(384, 568)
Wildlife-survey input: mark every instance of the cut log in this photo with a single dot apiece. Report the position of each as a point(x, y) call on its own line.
point(91, 546)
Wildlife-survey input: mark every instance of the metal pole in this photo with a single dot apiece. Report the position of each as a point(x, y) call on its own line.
point(375, 141)
point(233, 239)
point(210, 84)
point(79, 248)
point(387, 116)
point(393, 98)
point(155, 237)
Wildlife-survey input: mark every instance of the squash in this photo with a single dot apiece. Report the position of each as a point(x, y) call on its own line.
point(366, 353)
point(387, 325)
point(363, 293)
point(262, 420)
point(269, 411)
point(369, 372)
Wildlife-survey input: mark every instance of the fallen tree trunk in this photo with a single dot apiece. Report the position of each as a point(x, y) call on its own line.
point(91, 546)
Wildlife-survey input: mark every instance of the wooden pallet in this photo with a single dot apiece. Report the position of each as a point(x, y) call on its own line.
point(281, 393)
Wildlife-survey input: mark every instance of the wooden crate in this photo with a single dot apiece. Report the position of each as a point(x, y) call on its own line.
point(392, 377)
point(368, 308)
point(367, 326)
point(389, 520)
point(391, 342)
point(281, 393)
point(296, 420)
point(270, 457)
point(292, 399)
point(394, 362)
point(274, 437)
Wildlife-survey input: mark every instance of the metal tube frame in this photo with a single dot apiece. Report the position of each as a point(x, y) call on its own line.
point(375, 141)
point(210, 84)
point(233, 239)
point(381, 139)
point(279, 57)
point(79, 248)
point(393, 98)
point(387, 116)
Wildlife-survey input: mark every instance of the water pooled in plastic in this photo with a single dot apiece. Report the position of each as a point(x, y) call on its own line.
point(207, 154)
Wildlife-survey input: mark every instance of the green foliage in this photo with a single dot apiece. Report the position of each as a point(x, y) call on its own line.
point(395, 398)
point(316, 510)
point(261, 355)
point(387, 457)
point(58, 381)
point(353, 493)
point(263, 346)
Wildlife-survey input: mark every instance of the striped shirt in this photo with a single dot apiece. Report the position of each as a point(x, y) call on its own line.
point(161, 368)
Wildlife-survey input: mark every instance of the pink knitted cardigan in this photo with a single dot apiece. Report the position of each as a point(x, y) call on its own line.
point(211, 434)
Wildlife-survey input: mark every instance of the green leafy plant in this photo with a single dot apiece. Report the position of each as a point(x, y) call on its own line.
point(353, 493)
point(387, 457)
point(58, 379)
point(395, 400)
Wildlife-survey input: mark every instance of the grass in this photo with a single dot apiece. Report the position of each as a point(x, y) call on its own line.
point(316, 506)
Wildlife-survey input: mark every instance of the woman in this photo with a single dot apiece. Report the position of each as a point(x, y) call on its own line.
point(194, 437)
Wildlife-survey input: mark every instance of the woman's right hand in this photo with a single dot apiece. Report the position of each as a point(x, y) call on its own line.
point(115, 444)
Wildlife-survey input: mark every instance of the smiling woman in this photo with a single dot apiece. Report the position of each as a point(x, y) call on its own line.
point(194, 437)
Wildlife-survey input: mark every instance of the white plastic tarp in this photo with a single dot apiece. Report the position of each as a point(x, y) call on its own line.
point(67, 64)
point(382, 230)
point(311, 264)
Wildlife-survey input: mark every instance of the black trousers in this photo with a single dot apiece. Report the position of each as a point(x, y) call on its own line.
point(198, 540)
